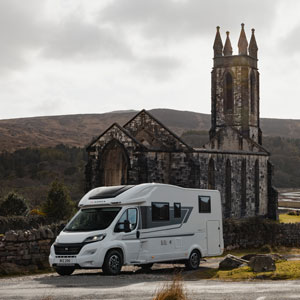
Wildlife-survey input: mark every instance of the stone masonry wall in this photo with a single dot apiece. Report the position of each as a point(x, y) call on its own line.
point(29, 250)
point(22, 251)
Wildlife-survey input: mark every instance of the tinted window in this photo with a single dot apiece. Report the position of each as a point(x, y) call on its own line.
point(130, 215)
point(92, 219)
point(204, 204)
point(160, 211)
point(177, 210)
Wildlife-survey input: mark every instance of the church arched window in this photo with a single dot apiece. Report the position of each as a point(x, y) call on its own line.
point(211, 174)
point(243, 188)
point(228, 93)
point(256, 186)
point(228, 189)
point(252, 92)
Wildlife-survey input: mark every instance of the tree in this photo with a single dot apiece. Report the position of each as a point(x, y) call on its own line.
point(13, 205)
point(58, 205)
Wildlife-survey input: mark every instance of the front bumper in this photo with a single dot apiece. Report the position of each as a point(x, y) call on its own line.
point(77, 255)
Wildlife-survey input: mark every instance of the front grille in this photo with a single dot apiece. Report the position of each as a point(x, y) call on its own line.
point(67, 249)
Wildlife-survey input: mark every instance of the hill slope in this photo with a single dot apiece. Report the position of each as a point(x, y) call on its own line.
point(78, 130)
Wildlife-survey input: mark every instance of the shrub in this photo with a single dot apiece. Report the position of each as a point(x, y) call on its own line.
point(13, 205)
point(58, 205)
point(21, 222)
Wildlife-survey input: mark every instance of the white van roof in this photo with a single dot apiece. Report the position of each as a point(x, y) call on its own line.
point(122, 194)
point(113, 195)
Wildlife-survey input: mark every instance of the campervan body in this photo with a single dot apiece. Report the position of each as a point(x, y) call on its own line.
point(140, 225)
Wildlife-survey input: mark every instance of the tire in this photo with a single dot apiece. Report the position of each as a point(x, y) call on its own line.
point(64, 271)
point(194, 260)
point(112, 263)
point(146, 267)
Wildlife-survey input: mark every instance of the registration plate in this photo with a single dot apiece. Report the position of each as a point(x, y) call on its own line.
point(66, 262)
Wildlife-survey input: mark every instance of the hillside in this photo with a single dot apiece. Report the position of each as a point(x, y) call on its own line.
point(78, 130)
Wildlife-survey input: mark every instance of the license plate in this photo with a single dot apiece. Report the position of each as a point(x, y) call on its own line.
point(66, 262)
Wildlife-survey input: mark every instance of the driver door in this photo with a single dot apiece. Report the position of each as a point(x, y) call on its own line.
point(130, 240)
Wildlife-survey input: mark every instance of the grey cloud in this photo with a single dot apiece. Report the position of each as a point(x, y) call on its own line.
point(291, 43)
point(158, 67)
point(19, 32)
point(171, 19)
point(75, 38)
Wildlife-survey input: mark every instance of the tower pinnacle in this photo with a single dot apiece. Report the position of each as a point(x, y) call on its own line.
point(227, 48)
point(218, 45)
point(243, 43)
point(253, 46)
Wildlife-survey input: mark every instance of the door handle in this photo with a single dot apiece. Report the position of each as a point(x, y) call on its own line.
point(138, 234)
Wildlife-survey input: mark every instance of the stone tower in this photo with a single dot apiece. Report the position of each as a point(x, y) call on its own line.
point(235, 87)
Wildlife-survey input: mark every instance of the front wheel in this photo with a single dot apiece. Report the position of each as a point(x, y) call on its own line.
point(63, 271)
point(194, 260)
point(112, 263)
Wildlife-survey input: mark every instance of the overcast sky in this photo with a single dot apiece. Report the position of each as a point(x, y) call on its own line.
point(90, 56)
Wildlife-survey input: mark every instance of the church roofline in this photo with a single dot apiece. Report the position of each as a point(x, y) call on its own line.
point(161, 124)
point(119, 127)
point(260, 147)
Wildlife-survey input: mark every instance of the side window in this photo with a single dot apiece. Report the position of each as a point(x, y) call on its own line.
point(177, 210)
point(130, 215)
point(160, 211)
point(204, 204)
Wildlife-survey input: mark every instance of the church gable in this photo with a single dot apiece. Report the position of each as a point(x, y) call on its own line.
point(230, 139)
point(115, 133)
point(153, 134)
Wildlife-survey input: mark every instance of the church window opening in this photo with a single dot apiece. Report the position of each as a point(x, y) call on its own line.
point(228, 93)
point(211, 175)
point(228, 189)
point(252, 92)
point(243, 188)
point(256, 186)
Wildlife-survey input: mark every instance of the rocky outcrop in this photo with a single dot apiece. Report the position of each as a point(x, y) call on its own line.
point(231, 262)
point(262, 263)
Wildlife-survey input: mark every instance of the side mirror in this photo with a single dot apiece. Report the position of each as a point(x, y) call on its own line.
point(127, 226)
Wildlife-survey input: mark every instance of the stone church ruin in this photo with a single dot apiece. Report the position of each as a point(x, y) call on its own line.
point(233, 161)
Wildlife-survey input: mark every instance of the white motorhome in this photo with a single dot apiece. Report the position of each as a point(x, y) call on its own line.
point(140, 225)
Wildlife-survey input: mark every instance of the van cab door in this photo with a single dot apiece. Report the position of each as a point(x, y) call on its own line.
point(127, 228)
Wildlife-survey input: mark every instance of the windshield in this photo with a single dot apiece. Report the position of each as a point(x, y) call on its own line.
point(92, 219)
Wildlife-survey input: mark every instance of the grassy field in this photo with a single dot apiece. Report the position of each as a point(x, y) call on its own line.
point(286, 218)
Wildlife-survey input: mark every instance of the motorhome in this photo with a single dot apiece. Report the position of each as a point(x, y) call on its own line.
point(140, 225)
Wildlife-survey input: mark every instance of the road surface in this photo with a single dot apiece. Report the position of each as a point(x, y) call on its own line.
point(135, 284)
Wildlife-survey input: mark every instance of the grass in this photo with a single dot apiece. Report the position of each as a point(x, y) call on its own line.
point(171, 291)
point(286, 218)
point(284, 270)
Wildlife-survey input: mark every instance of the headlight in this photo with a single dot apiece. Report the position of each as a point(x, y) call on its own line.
point(94, 238)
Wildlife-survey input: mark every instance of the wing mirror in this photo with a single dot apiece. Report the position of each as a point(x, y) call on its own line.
point(127, 226)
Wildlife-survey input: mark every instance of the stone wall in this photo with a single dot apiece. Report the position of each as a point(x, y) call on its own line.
point(26, 251)
point(255, 233)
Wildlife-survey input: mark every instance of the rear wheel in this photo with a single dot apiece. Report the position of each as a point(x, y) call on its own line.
point(63, 271)
point(112, 263)
point(194, 260)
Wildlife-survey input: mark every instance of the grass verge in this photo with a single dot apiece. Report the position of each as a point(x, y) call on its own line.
point(284, 270)
point(286, 218)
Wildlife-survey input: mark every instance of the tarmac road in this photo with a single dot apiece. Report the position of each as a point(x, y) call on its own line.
point(135, 284)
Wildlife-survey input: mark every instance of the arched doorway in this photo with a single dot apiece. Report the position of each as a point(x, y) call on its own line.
point(114, 164)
